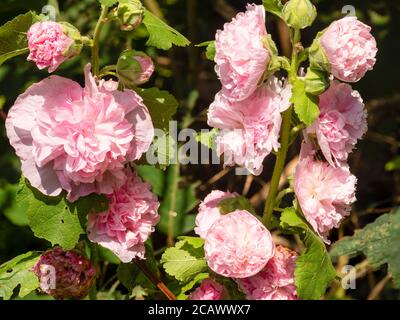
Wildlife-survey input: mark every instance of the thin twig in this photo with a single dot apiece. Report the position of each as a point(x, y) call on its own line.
point(376, 291)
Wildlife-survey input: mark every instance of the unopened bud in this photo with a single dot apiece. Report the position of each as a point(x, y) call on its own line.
point(299, 14)
point(130, 14)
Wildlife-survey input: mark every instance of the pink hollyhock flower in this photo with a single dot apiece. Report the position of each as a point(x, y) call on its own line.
point(129, 220)
point(208, 290)
point(250, 128)
point(240, 56)
point(342, 121)
point(48, 45)
point(209, 211)
point(350, 48)
point(73, 275)
point(238, 245)
point(324, 193)
point(77, 139)
point(275, 281)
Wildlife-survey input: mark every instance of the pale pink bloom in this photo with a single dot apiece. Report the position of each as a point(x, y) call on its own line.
point(342, 121)
point(147, 68)
point(209, 211)
point(238, 245)
point(73, 274)
point(77, 139)
point(249, 129)
point(325, 193)
point(129, 220)
point(208, 290)
point(240, 56)
point(275, 281)
point(350, 48)
point(48, 45)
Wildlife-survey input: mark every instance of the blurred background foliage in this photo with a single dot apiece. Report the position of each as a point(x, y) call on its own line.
point(187, 74)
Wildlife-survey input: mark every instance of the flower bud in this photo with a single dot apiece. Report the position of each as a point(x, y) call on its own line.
point(51, 43)
point(299, 14)
point(134, 68)
point(130, 14)
point(64, 274)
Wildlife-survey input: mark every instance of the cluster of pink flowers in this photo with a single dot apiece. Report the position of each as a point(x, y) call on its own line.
point(237, 245)
point(247, 110)
point(64, 274)
point(129, 220)
point(208, 290)
point(78, 139)
point(350, 48)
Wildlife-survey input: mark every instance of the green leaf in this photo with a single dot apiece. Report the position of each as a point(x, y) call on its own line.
point(182, 265)
point(108, 3)
point(305, 104)
point(229, 205)
point(154, 176)
point(162, 36)
point(393, 164)
point(161, 104)
point(16, 272)
point(207, 138)
point(186, 259)
point(195, 242)
point(210, 49)
point(12, 209)
point(316, 81)
point(13, 39)
point(188, 286)
point(54, 218)
point(127, 274)
point(314, 269)
point(273, 6)
point(379, 241)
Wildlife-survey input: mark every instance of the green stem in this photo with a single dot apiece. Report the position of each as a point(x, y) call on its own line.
point(94, 257)
point(96, 40)
point(172, 209)
point(285, 138)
